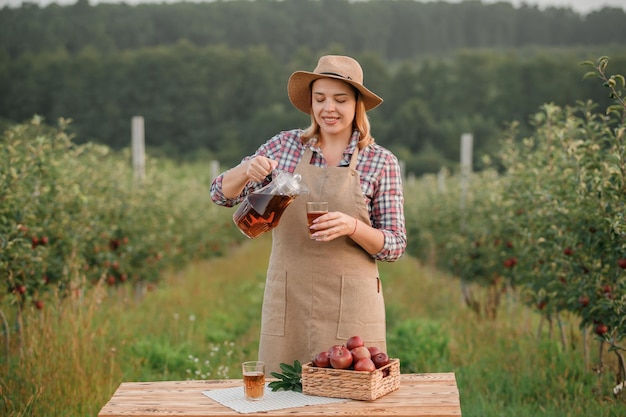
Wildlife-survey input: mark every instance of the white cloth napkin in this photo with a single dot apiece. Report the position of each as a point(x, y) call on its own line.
point(273, 400)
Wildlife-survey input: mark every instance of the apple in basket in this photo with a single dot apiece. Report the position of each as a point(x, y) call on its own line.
point(340, 357)
point(352, 355)
point(364, 364)
point(355, 342)
point(380, 359)
point(321, 360)
point(373, 350)
point(360, 352)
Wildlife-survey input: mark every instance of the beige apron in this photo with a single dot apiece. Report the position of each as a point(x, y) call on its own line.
point(318, 294)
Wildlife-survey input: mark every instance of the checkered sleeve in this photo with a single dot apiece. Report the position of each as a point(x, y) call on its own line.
point(285, 148)
point(387, 206)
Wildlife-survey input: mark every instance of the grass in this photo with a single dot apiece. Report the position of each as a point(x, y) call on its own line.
point(203, 321)
point(504, 367)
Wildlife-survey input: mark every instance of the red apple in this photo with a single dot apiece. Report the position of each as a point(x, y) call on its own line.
point(39, 304)
point(355, 341)
point(380, 359)
point(334, 347)
point(510, 262)
point(374, 350)
point(364, 364)
point(321, 360)
point(622, 263)
point(360, 352)
point(601, 329)
point(340, 358)
point(583, 300)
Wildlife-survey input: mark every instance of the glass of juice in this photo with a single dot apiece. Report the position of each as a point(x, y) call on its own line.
point(315, 209)
point(253, 379)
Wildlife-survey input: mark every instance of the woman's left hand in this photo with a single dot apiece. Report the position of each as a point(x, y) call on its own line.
point(332, 225)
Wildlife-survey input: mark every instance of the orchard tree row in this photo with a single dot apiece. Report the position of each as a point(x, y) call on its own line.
point(396, 30)
point(77, 216)
point(551, 229)
point(202, 103)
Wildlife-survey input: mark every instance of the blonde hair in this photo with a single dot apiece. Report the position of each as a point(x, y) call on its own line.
point(361, 123)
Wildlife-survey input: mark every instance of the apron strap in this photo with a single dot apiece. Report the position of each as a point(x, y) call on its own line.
point(355, 157)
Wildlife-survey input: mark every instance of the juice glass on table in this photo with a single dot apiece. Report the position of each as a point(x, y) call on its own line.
point(253, 379)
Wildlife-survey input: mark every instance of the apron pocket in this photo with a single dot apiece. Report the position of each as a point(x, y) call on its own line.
point(362, 309)
point(274, 303)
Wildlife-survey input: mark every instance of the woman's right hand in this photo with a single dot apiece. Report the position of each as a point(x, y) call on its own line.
point(260, 167)
point(254, 169)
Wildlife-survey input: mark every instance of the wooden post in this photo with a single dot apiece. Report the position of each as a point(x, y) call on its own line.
point(138, 147)
point(215, 169)
point(467, 140)
point(441, 180)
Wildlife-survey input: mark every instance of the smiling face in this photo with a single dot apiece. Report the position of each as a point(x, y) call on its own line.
point(333, 106)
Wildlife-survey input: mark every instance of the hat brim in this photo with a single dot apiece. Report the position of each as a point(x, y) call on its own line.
point(299, 90)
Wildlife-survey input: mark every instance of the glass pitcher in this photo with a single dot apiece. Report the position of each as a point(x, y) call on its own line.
point(261, 210)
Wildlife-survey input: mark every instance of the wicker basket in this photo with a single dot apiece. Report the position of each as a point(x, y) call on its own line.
point(355, 385)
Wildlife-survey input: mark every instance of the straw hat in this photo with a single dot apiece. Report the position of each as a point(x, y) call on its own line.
point(330, 66)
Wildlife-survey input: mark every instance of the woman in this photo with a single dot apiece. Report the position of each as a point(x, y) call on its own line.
point(322, 290)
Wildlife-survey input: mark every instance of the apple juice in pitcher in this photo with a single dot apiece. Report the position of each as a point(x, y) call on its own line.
point(261, 210)
point(255, 221)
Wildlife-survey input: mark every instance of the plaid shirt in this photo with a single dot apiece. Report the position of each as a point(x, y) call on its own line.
point(381, 183)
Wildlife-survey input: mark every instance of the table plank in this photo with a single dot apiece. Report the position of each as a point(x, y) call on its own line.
point(433, 395)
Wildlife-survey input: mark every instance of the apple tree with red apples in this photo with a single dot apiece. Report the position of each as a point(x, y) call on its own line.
point(573, 171)
point(549, 226)
point(74, 216)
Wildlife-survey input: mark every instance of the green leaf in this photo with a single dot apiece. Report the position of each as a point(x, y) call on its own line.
point(290, 379)
point(614, 108)
point(589, 74)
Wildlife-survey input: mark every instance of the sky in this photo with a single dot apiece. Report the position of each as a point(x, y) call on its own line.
point(580, 6)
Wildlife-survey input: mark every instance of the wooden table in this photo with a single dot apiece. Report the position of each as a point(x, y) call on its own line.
point(419, 395)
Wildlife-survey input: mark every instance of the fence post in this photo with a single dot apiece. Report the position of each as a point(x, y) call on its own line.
point(467, 140)
point(441, 180)
point(138, 147)
point(215, 169)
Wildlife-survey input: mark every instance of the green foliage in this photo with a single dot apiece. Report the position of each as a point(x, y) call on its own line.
point(210, 89)
point(421, 344)
point(160, 357)
point(290, 379)
point(501, 368)
point(225, 103)
point(74, 216)
point(176, 361)
point(550, 230)
point(396, 30)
